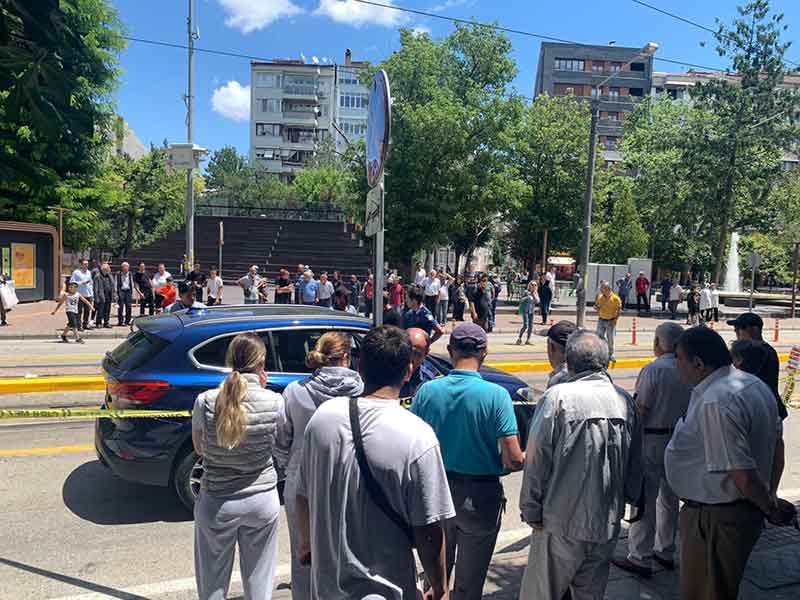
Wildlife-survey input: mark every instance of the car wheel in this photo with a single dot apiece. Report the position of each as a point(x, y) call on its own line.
point(188, 475)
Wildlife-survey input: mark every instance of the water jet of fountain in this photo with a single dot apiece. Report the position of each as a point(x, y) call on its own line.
point(732, 266)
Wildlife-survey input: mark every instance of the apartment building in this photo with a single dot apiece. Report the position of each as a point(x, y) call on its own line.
point(577, 69)
point(296, 105)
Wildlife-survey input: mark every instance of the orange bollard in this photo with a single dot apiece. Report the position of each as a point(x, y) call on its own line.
point(777, 329)
point(633, 332)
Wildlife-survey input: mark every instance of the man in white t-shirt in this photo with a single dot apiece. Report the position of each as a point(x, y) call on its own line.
point(432, 285)
point(355, 548)
point(213, 288)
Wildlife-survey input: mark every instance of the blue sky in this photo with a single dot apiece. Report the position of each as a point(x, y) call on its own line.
point(154, 78)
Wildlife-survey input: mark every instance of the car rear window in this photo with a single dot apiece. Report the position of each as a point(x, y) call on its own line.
point(136, 350)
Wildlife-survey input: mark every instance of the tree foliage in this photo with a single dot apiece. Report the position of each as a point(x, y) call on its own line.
point(58, 68)
point(620, 236)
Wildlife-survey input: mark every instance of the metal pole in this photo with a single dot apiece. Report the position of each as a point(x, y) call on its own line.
point(544, 252)
point(60, 242)
point(377, 295)
point(794, 278)
point(583, 266)
point(221, 242)
point(189, 132)
point(752, 289)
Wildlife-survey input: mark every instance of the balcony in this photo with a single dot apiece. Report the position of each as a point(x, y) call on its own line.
point(306, 92)
point(300, 117)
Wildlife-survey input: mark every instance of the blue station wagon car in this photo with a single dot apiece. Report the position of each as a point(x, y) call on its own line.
point(171, 358)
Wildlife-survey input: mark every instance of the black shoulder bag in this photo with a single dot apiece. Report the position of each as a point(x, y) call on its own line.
point(373, 487)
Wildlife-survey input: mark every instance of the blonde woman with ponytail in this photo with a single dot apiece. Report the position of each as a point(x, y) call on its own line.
point(234, 429)
point(331, 378)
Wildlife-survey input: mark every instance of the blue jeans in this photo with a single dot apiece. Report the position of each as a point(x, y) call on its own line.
point(606, 329)
point(527, 324)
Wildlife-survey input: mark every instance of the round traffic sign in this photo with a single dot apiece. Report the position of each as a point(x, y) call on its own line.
point(379, 121)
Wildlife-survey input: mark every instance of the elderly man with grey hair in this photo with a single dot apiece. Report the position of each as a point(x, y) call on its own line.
point(583, 463)
point(661, 399)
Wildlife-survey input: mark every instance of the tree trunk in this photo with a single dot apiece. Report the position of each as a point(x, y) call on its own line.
point(457, 269)
point(129, 234)
point(468, 258)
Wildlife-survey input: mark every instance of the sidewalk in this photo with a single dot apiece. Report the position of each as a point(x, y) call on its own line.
point(773, 572)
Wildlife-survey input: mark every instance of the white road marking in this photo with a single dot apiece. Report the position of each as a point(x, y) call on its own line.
point(166, 587)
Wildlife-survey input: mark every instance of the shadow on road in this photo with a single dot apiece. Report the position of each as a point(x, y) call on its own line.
point(94, 494)
point(81, 583)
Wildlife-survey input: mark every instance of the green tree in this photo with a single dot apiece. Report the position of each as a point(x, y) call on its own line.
point(322, 185)
point(622, 236)
point(752, 111)
point(58, 68)
point(549, 150)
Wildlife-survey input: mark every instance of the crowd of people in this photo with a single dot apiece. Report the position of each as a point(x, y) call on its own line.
point(704, 427)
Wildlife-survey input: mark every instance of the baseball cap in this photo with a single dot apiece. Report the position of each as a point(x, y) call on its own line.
point(183, 288)
point(561, 331)
point(468, 336)
point(745, 320)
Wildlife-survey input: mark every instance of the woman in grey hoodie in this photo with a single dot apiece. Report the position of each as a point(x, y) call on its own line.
point(332, 378)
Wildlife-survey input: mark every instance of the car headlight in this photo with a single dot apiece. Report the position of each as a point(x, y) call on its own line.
point(526, 394)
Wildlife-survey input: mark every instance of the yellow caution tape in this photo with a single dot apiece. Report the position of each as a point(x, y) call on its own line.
point(94, 413)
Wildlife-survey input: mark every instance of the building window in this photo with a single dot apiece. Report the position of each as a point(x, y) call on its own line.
point(270, 105)
point(611, 142)
point(613, 93)
point(616, 67)
point(296, 135)
point(597, 67)
point(595, 92)
point(354, 128)
point(637, 67)
point(271, 80)
point(638, 92)
point(569, 64)
point(267, 153)
point(613, 116)
point(348, 77)
point(788, 165)
point(347, 100)
point(268, 129)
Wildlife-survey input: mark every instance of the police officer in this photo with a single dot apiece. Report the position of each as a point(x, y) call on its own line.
point(661, 399)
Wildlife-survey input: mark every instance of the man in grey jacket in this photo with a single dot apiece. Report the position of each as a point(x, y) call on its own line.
point(583, 462)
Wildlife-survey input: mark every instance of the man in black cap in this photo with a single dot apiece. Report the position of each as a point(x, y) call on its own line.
point(749, 326)
point(477, 430)
point(557, 337)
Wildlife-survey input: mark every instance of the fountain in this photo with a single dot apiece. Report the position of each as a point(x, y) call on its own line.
point(732, 266)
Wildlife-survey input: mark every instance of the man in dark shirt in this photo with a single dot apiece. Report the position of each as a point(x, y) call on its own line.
point(418, 315)
point(284, 288)
point(481, 303)
point(144, 288)
point(749, 326)
point(197, 280)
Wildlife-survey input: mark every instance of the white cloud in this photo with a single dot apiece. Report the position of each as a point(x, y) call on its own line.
point(315, 60)
point(251, 15)
point(357, 14)
point(448, 4)
point(232, 101)
point(419, 30)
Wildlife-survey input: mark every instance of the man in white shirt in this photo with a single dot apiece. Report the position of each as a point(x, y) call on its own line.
point(720, 461)
point(213, 288)
point(251, 285)
point(675, 298)
point(358, 546)
point(431, 285)
point(83, 277)
point(661, 399)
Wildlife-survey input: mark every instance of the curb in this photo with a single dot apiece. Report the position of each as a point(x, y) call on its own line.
point(77, 383)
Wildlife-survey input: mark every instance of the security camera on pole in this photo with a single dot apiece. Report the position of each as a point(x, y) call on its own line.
point(378, 130)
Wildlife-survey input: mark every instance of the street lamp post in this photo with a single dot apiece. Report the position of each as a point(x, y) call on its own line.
point(586, 243)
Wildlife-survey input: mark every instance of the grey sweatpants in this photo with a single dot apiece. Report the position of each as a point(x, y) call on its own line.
point(301, 575)
point(222, 523)
point(471, 535)
point(557, 564)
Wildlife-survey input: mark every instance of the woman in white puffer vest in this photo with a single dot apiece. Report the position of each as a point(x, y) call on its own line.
point(332, 378)
point(233, 429)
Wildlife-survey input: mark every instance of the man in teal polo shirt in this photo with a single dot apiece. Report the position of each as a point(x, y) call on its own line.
point(471, 417)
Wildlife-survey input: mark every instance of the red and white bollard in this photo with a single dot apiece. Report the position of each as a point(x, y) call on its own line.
point(633, 332)
point(777, 331)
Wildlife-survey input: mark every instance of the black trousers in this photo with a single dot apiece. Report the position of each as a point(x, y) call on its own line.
point(430, 303)
point(147, 300)
point(458, 311)
point(2, 312)
point(124, 302)
point(198, 294)
point(642, 299)
point(711, 312)
point(84, 313)
point(103, 313)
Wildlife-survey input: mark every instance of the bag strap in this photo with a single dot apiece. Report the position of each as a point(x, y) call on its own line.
point(373, 487)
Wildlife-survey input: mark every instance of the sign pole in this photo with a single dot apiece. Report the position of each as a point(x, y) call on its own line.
point(377, 297)
point(221, 243)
